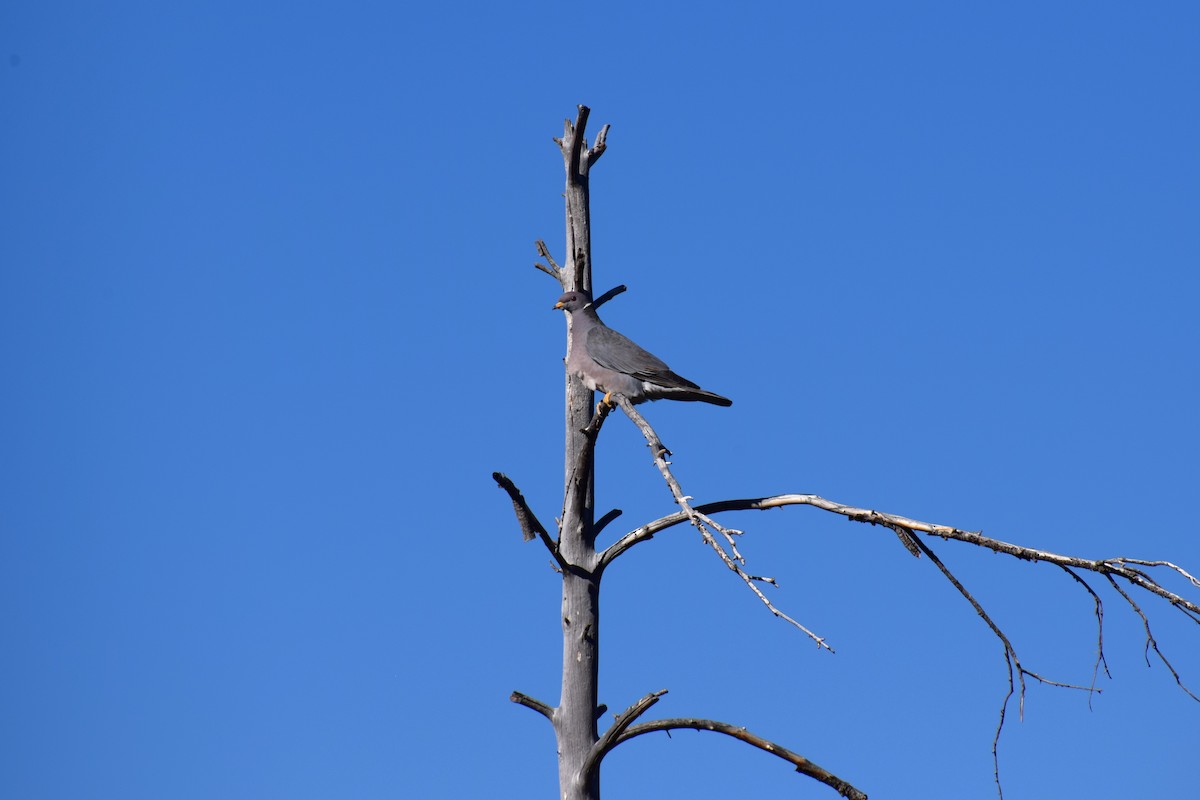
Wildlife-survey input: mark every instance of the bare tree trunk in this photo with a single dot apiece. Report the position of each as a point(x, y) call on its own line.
point(575, 717)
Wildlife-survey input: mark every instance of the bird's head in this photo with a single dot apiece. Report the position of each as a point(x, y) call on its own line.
point(573, 301)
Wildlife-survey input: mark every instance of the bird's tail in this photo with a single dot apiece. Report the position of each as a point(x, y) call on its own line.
point(703, 397)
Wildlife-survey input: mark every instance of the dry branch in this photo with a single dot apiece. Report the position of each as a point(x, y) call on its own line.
point(1105, 566)
point(623, 720)
point(1151, 642)
point(551, 266)
point(599, 147)
point(602, 523)
point(802, 764)
point(609, 295)
point(705, 524)
point(1011, 660)
point(530, 525)
point(1125, 568)
point(533, 703)
point(1099, 612)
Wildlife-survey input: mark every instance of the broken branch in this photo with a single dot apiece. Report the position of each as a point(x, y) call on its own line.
point(530, 525)
point(533, 703)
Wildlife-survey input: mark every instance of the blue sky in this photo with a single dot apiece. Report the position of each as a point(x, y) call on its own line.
point(268, 322)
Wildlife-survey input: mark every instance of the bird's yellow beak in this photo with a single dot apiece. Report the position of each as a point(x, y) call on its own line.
point(559, 304)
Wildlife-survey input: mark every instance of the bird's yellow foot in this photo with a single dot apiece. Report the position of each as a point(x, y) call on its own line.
point(606, 401)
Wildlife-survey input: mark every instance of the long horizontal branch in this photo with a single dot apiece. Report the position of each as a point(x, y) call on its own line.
point(1121, 567)
point(1132, 570)
point(802, 764)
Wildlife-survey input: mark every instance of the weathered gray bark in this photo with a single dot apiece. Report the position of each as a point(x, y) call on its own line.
point(575, 717)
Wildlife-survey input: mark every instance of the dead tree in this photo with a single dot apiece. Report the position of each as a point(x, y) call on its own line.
point(581, 745)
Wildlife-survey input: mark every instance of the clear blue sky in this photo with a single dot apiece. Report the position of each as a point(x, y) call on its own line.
point(268, 322)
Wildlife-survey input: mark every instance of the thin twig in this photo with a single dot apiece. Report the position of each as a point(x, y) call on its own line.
point(1167, 564)
point(704, 523)
point(1151, 642)
point(553, 270)
point(1099, 612)
point(544, 252)
point(599, 147)
point(1012, 661)
point(802, 764)
point(545, 269)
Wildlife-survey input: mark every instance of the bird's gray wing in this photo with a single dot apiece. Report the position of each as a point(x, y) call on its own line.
point(615, 351)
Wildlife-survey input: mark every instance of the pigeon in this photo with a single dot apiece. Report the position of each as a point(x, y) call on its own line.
point(609, 362)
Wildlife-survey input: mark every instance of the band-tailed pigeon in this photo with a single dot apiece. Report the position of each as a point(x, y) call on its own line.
point(611, 363)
